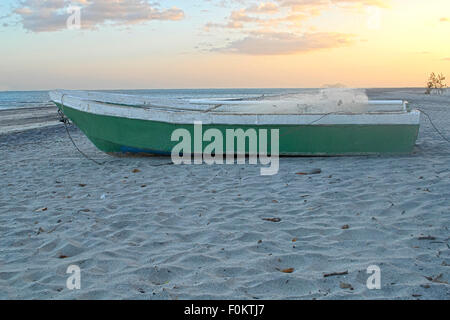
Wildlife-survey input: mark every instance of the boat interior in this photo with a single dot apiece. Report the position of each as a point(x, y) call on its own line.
point(343, 102)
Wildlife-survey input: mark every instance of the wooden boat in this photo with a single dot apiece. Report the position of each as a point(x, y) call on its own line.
point(123, 124)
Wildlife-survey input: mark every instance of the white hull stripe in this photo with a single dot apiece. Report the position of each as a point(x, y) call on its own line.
point(189, 117)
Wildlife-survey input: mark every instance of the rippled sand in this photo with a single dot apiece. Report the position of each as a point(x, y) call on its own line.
point(182, 232)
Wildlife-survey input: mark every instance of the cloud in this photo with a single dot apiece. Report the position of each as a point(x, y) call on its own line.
point(279, 26)
point(278, 43)
point(302, 4)
point(287, 12)
point(263, 8)
point(261, 15)
point(251, 14)
point(51, 15)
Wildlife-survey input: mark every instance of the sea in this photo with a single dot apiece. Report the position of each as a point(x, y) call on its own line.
point(33, 99)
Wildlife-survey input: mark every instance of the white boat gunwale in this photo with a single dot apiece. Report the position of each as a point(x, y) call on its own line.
point(189, 116)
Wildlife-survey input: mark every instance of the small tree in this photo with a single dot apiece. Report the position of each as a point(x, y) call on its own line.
point(436, 82)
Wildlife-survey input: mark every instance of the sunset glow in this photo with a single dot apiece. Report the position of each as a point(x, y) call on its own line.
point(223, 44)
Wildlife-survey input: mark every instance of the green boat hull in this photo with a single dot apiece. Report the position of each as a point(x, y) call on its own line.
point(120, 135)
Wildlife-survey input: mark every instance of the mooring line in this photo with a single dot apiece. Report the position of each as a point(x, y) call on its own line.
point(310, 123)
point(433, 125)
point(66, 121)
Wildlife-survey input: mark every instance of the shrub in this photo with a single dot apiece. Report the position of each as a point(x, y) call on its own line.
point(436, 83)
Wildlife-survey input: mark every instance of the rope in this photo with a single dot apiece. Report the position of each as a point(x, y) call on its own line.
point(66, 121)
point(433, 125)
point(308, 124)
point(426, 114)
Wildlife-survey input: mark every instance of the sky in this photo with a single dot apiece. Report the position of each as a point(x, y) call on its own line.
point(140, 44)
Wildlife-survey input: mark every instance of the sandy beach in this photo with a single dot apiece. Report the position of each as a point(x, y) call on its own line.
point(141, 228)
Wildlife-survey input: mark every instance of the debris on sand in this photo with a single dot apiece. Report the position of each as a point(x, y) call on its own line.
point(426, 238)
point(326, 275)
point(345, 285)
point(272, 219)
point(314, 171)
point(437, 279)
point(288, 270)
